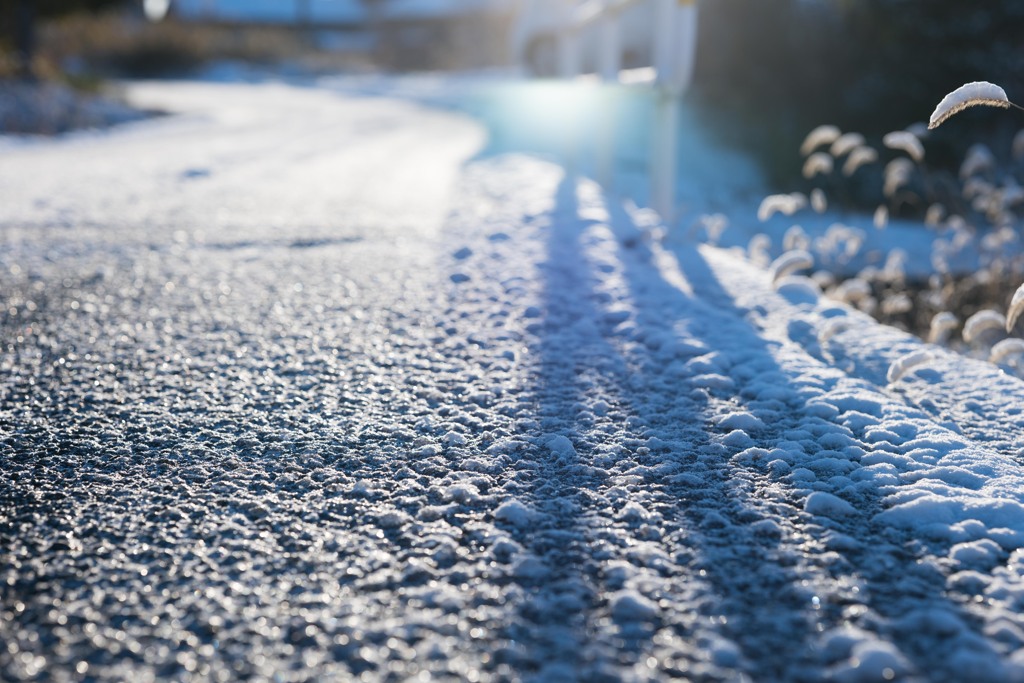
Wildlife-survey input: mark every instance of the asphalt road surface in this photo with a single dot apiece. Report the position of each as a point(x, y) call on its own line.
point(292, 387)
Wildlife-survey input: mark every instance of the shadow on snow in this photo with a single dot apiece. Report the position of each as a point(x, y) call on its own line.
point(712, 519)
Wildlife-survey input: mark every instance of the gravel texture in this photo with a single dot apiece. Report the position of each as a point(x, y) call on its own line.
point(291, 388)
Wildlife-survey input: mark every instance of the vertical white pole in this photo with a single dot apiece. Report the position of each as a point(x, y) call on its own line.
point(610, 64)
point(664, 47)
point(611, 46)
point(663, 154)
point(568, 54)
point(686, 41)
point(568, 45)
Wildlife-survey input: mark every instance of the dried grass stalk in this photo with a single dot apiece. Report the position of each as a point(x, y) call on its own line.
point(822, 135)
point(790, 262)
point(982, 321)
point(1015, 309)
point(1005, 350)
point(969, 95)
point(904, 364)
point(905, 141)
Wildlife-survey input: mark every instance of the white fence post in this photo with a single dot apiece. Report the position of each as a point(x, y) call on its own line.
point(666, 115)
point(568, 45)
point(610, 64)
point(663, 154)
point(611, 45)
point(664, 47)
point(686, 41)
point(674, 34)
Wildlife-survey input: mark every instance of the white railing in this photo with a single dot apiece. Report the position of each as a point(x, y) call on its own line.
point(673, 33)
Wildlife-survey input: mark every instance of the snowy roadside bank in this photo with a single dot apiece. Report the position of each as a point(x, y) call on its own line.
point(910, 489)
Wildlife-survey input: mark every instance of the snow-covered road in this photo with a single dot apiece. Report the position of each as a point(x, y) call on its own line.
point(293, 387)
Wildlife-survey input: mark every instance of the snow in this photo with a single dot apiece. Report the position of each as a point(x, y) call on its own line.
point(827, 505)
point(629, 606)
point(353, 394)
point(872, 661)
point(515, 513)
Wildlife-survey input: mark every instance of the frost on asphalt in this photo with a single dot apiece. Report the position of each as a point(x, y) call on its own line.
point(293, 389)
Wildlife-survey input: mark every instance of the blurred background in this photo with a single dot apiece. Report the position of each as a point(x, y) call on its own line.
point(767, 71)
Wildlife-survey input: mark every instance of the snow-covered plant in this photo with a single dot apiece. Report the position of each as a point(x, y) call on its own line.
point(897, 175)
point(976, 217)
point(901, 366)
point(851, 291)
point(881, 217)
point(1008, 352)
point(846, 143)
point(789, 263)
point(759, 249)
point(795, 238)
point(859, 156)
point(1015, 309)
point(819, 202)
point(969, 95)
point(905, 141)
point(786, 204)
point(896, 303)
point(941, 327)
point(980, 323)
point(934, 215)
point(819, 163)
point(822, 135)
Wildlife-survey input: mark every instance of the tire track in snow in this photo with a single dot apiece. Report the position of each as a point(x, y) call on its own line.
point(590, 565)
point(620, 370)
point(956, 452)
point(826, 572)
point(926, 606)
